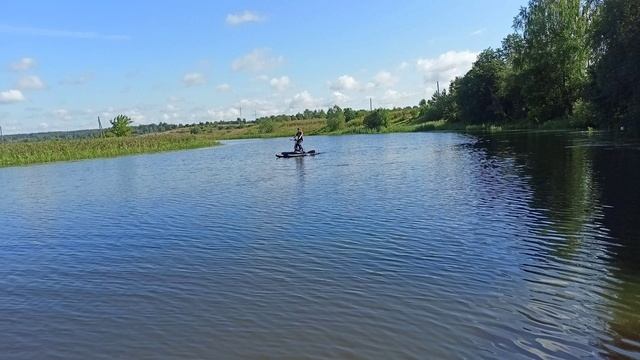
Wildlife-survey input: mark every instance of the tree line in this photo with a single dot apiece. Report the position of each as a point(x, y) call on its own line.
point(572, 60)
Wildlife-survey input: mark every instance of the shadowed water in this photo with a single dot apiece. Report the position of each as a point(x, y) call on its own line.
point(385, 246)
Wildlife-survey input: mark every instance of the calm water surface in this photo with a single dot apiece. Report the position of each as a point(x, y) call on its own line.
point(384, 247)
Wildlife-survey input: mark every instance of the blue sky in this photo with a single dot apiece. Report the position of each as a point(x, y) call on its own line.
point(64, 63)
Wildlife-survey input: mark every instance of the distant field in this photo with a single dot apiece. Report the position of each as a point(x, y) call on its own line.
point(23, 153)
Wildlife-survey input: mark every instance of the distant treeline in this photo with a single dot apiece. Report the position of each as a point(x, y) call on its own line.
point(91, 133)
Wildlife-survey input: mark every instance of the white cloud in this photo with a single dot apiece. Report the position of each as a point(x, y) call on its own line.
point(23, 64)
point(25, 30)
point(340, 98)
point(345, 83)
point(281, 83)
point(244, 17)
point(477, 32)
point(194, 79)
point(302, 100)
point(447, 66)
point(384, 79)
point(257, 60)
point(393, 98)
point(11, 96)
point(403, 65)
point(30, 82)
point(227, 114)
point(223, 88)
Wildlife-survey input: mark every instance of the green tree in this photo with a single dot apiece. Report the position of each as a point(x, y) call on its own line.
point(377, 119)
point(335, 118)
point(477, 92)
point(511, 81)
point(121, 126)
point(349, 114)
point(441, 106)
point(552, 62)
point(615, 86)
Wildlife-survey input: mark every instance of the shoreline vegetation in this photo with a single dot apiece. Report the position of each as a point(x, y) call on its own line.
point(567, 65)
point(46, 151)
point(27, 152)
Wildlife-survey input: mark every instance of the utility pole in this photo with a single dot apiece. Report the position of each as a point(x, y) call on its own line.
point(100, 127)
point(370, 104)
point(240, 112)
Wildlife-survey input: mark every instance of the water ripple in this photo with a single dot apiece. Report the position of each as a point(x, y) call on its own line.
point(439, 246)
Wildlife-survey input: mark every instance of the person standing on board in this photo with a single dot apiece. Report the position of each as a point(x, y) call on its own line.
point(299, 138)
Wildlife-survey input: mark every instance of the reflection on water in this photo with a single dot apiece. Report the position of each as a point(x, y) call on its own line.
point(384, 246)
point(586, 182)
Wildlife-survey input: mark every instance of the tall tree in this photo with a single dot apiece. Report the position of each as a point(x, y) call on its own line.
point(615, 86)
point(552, 61)
point(477, 92)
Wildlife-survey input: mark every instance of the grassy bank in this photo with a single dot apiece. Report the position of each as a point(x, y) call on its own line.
point(23, 153)
point(400, 120)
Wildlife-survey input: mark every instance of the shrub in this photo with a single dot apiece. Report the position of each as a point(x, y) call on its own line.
point(377, 119)
point(121, 126)
point(335, 119)
point(265, 127)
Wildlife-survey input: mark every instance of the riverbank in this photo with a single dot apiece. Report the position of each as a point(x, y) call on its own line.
point(399, 122)
point(197, 136)
point(25, 153)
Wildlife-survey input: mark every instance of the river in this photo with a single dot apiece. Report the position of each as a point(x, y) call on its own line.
point(408, 246)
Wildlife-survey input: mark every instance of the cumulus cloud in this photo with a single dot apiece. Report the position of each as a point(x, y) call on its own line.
point(223, 88)
point(393, 98)
point(302, 100)
point(244, 17)
point(345, 83)
point(194, 79)
point(23, 64)
point(281, 83)
point(339, 98)
point(11, 96)
point(257, 60)
point(30, 82)
point(447, 66)
point(227, 114)
point(384, 79)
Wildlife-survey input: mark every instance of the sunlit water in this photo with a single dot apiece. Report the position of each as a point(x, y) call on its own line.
point(383, 247)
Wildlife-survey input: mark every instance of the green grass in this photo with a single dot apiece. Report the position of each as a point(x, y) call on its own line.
point(23, 153)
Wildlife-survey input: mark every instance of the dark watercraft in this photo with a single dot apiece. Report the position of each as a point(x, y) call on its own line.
point(292, 154)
